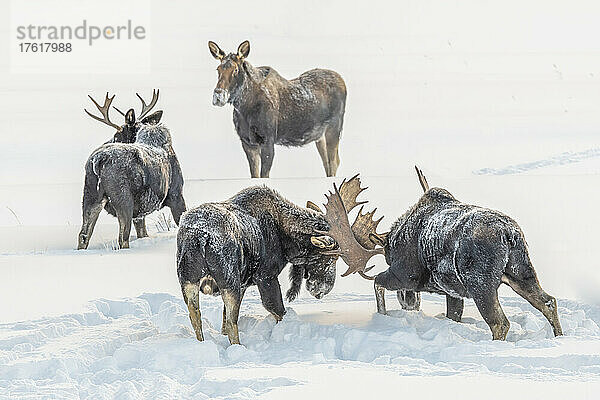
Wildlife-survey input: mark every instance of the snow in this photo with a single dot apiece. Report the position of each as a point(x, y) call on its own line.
point(509, 90)
point(105, 323)
point(144, 347)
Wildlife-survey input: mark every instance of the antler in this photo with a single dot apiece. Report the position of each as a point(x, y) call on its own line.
point(422, 179)
point(352, 252)
point(104, 111)
point(147, 108)
point(363, 226)
point(349, 191)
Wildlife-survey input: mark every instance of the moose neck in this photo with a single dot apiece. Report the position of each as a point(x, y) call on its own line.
point(250, 82)
point(295, 224)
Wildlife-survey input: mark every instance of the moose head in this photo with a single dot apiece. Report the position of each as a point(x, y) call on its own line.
point(355, 243)
point(127, 132)
point(231, 72)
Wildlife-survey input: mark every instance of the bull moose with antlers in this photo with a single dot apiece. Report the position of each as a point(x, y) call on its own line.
point(133, 174)
point(441, 245)
point(223, 248)
point(270, 110)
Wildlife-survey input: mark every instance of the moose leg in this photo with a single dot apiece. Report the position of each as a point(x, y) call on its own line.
point(270, 294)
point(267, 152)
point(380, 299)
point(191, 297)
point(140, 227)
point(90, 216)
point(322, 148)
point(224, 324)
point(454, 308)
point(177, 207)
point(409, 300)
point(253, 156)
point(531, 291)
point(489, 307)
point(332, 138)
point(232, 301)
point(125, 215)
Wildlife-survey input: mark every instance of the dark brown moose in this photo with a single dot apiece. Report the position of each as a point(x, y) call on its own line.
point(441, 245)
point(269, 109)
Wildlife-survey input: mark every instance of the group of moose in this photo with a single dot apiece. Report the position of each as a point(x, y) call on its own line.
point(440, 245)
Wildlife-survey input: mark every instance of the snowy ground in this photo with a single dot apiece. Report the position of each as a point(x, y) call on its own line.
point(111, 324)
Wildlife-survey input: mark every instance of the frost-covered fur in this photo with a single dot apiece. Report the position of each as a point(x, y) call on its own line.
point(131, 180)
point(444, 246)
point(225, 247)
point(270, 110)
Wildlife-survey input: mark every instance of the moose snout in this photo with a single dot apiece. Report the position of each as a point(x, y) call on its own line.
point(220, 97)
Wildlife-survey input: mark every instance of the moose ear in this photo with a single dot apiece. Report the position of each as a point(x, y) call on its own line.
point(243, 49)
point(153, 118)
point(215, 50)
point(323, 242)
point(130, 117)
point(312, 206)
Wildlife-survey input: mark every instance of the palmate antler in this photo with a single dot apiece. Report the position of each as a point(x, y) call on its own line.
point(355, 247)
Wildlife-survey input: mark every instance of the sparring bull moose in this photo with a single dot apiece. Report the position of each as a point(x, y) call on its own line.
point(132, 175)
point(441, 245)
point(270, 110)
point(223, 248)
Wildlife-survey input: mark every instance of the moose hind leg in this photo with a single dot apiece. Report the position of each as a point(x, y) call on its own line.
point(224, 324)
point(177, 208)
point(332, 137)
point(191, 296)
point(232, 301)
point(125, 215)
point(531, 291)
point(90, 216)
point(322, 148)
point(454, 308)
point(140, 227)
point(489, 307)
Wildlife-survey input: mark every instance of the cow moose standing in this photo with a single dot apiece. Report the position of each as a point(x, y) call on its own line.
point(132, 175)
point(270, 110)
point(441, 245)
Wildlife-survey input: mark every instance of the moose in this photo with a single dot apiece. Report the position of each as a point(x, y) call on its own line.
point(441, 245)
point(131, 175)
point(269, 109)
point(225, 247)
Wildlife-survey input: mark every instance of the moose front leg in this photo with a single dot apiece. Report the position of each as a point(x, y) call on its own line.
point(253, 156)
point(267, 152)
point(140, 227)
point(380, 299)
point(270, 295)
point(454, 308)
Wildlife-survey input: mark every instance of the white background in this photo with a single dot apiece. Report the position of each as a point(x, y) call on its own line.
point(455, 86)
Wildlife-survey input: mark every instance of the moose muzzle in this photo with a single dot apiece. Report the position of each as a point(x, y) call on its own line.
point(220, 97)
